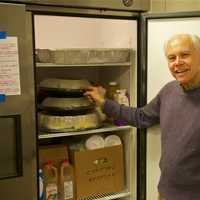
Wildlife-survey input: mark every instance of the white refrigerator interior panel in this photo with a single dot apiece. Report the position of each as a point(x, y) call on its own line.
point(76, 32)
point(159, 30)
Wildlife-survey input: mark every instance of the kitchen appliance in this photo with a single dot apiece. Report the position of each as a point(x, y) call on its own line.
point(118, 5)
point(127, 28)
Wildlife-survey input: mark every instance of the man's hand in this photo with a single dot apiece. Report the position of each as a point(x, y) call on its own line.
point(96, 95)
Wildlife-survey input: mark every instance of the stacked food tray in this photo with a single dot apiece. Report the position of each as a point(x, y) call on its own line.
point(64, 107)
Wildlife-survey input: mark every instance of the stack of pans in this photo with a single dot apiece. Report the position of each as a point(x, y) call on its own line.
point(65, 108)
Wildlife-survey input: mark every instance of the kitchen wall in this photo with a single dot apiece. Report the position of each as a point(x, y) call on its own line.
point(174, 5)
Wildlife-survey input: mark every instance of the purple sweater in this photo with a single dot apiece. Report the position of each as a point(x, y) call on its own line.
point(178, 113)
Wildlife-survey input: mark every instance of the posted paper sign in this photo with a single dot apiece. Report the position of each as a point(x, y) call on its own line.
point(9, 67)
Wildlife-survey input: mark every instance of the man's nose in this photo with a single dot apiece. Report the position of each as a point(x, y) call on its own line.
point(178, 60)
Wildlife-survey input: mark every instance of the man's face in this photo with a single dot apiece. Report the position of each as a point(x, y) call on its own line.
point(183, 60)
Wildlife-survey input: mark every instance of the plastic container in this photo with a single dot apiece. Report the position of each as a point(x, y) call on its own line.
point(50, 181)
point(112, 140)
point(122, 97)
point(112, 90)
point(66, 181)
point(41, 184)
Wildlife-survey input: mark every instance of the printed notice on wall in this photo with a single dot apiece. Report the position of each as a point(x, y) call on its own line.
point(9, 67)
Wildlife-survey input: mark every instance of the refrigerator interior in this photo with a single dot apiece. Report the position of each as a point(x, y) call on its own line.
point(158, 76)
point(66, 32)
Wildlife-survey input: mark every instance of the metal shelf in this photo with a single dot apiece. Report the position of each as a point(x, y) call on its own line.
point(43, 65)
point(108, 196)
point(105, 128)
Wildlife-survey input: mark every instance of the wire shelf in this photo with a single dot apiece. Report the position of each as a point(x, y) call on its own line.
point(107, 196)
point(43, 135)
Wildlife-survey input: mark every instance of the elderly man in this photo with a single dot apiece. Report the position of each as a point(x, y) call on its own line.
point(177, 109)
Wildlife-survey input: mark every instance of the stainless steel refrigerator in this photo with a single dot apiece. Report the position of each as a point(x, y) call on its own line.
point(143, 33)
point(17, 107)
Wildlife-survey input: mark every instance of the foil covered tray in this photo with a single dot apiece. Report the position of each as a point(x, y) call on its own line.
point(53, 124)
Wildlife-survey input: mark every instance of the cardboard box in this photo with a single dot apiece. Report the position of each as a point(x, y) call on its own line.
point(98, 171)
point(56, 153)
